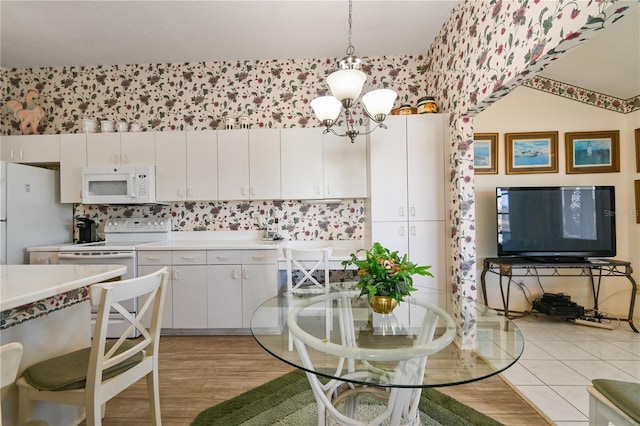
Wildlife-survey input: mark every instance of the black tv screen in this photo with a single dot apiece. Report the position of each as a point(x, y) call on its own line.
point(556, 222)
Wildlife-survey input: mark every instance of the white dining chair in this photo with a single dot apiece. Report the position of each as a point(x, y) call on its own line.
point(92, 376)
point(10, 356)
point(307, 274)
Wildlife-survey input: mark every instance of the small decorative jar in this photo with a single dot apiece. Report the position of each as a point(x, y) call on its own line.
point(405, 110)
point(89, 125)
point(107, 126)
point(243, 121)
point(229, 123)
point(427, 105)
point(123, 126)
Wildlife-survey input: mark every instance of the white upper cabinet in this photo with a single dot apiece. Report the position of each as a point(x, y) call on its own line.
point(388, 168)
point(264, 164)
point(171, 166)
point(30, 148)
point(187, 166)
point(407, 169)
point(316, 165)
point(202, 165)
point(425, 166)
point(233, 165)
point(73, 157)
point(121, 149)
point(302, 163)
point(345, 166)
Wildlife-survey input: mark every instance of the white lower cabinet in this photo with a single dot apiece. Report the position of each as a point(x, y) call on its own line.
point(213, 289)
point(151, 261)
point(239, 282)
point(189, 289)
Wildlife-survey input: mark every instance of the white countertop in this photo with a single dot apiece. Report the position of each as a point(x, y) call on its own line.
point(23, 284)
point(238, 240)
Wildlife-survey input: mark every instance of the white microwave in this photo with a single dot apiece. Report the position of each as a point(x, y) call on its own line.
point(119, 185)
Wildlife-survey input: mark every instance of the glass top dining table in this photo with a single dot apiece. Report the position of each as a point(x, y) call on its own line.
point(338, 336)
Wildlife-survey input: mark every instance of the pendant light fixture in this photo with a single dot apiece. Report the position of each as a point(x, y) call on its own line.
point(346, 86)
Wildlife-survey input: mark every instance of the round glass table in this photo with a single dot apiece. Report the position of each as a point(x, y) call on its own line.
point(350, 352)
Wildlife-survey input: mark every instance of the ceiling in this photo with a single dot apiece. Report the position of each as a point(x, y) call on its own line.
point(65, 33)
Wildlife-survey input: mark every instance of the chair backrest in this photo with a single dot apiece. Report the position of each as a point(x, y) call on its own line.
point(302, 263)
point(10, 356)
point(108, 297)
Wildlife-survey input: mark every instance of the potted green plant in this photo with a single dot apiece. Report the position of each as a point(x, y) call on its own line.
point(384, 277)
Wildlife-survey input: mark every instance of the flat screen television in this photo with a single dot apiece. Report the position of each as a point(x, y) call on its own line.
point(556, 223)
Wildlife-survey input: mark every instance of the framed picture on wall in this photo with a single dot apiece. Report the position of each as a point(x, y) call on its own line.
point(593, 152)
point(532, 152)
point(637, 186)
point(638, 150)
point(485, 153)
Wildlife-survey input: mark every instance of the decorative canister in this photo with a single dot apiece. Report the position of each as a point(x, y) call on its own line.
point(229, 122)
point(89, 125)
point(243, 121)
point(405, 110)
point(107, 126)
point(122, 126)
point(427, 105)
point(135, 127)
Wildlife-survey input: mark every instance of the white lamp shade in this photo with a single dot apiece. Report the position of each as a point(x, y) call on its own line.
point(326, 108)
point(346, 84)
point(379, 102)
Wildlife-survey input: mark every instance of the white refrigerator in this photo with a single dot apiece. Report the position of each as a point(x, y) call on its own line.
point(30, 211)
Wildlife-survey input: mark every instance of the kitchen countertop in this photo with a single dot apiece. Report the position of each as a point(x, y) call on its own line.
point(240, 240)
point(24, 284)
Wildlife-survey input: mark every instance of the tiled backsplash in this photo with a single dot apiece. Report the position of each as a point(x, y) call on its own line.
point(299, 221)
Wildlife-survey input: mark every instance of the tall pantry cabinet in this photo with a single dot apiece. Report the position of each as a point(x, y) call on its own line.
point(407, 191)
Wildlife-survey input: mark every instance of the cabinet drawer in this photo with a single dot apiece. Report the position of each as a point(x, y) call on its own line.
point(154, 258)
point(258, 257)
point(224, 257)
point(189, 257)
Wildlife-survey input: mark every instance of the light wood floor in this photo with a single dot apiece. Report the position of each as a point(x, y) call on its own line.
point(197, 372)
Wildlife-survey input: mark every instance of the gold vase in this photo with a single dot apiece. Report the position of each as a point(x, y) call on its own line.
point(383, 304)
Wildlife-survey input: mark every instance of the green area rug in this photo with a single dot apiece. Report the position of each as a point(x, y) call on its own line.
point(288, 400)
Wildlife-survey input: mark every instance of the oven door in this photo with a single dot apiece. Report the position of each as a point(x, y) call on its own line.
point(125, 258)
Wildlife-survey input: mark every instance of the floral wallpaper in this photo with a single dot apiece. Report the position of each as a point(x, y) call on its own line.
point(196, 96)
point(600, 100)
point(299, 221)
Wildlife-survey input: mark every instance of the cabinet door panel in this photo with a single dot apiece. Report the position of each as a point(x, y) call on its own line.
point(264, 164)
point(167, 313)
point(190, 296)
point(103, 149)
point(137, 148)
point(202, 165)
point(171, 166)
point(73, 157)
point(427, 247)
point(392, 235)
point(301, 161)
point(225, 296)
point(40, 148)
point(259, 283)
point(233, 165)
point(388, 162)
point(425, 164)
point(345, 167)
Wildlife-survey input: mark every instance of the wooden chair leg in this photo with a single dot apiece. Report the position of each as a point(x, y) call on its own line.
point(154, 396)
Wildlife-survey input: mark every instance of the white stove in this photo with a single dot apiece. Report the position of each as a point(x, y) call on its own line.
point(122, 237)
point(125, 234)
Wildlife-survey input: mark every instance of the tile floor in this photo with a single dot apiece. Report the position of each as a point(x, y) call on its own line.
point(561, 358)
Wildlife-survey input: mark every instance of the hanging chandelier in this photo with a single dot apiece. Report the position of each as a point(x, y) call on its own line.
point(346, 85)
